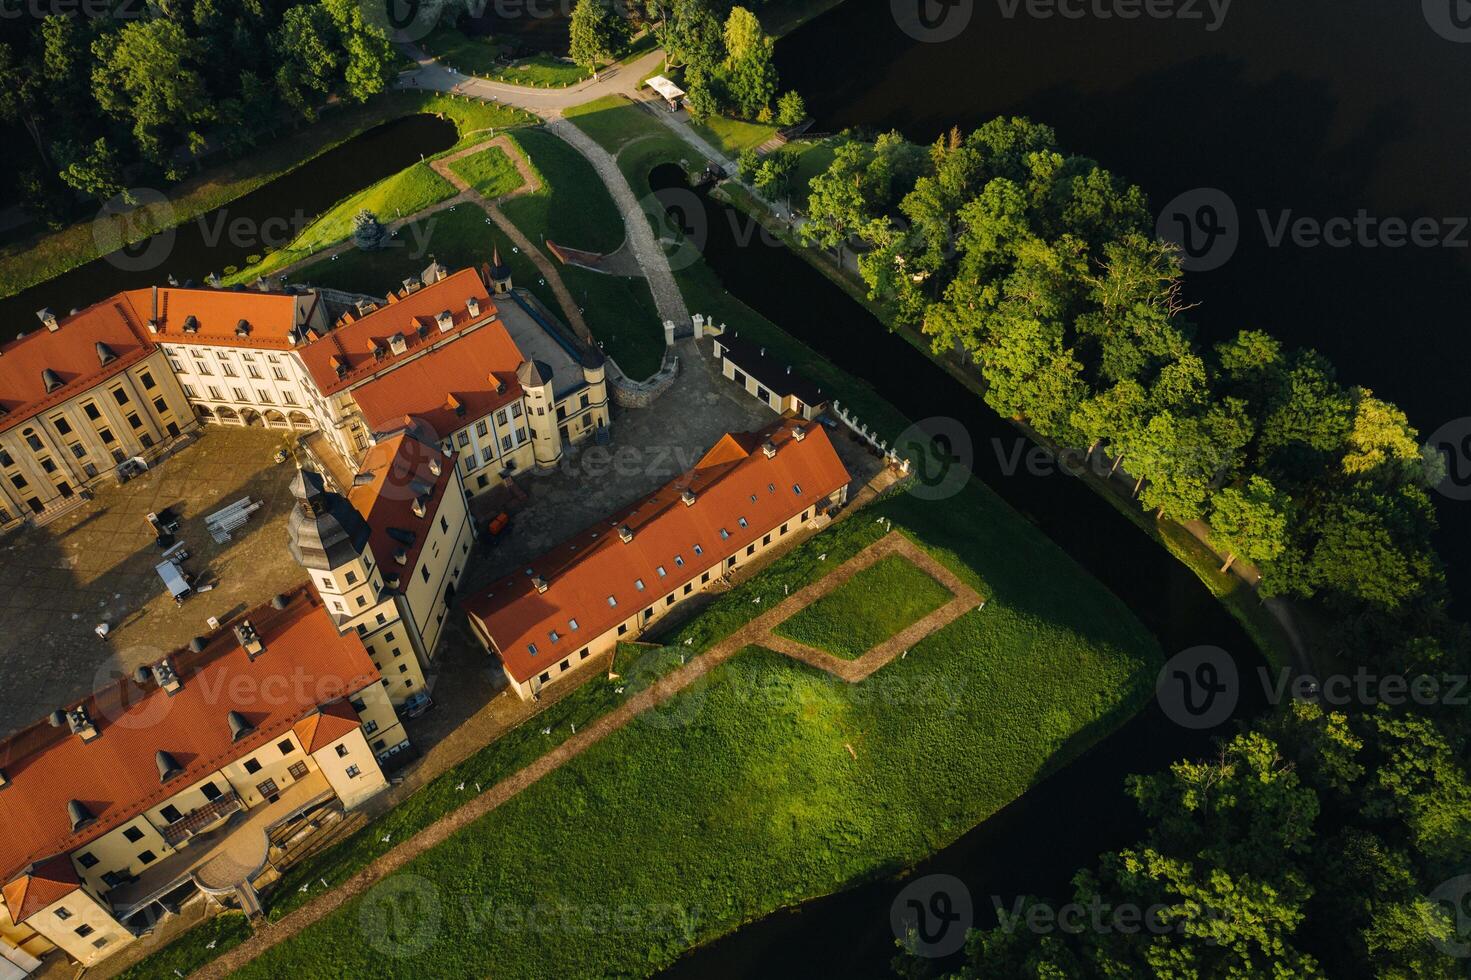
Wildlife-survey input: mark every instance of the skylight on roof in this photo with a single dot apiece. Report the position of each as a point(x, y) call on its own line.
point(797, 489)
point(679, 560)
point(699, 550)
point(531, 648)
point(639, 584)
point(573, 624)
point(724, 534)
point(661, 571)
point(743, 522)
point(555, 636)
point(612, 601)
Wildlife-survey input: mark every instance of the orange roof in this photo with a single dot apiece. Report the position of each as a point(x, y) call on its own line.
point(271, 317)
point(400, 473)
point(44, 883)
point(71, 354)
point(447, 388)
point(305, 663)
point(353, 346)
point(327, 725)
point(734, 480)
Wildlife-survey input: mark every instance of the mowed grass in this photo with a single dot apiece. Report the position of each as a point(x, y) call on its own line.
point(193, 949)
point(490, 172)
point(572, 208)
point(404, 193)
point(614, 122)
point(883, 599)
point(740, 795)
point(731, 136)
point(478, 56)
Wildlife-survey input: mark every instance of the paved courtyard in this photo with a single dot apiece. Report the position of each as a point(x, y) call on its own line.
point(96, 564)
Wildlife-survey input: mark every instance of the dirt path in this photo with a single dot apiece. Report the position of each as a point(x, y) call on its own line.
point(530, 184)
point(756, 632)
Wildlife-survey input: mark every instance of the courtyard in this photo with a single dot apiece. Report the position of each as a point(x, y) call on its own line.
point(95, 564)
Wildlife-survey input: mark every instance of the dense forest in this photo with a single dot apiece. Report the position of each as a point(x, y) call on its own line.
point(1318, 840)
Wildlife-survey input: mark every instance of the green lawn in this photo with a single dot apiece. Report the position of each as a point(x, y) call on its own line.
point(490, 172)
point(614, 122)
point(38, 258)
point(731, 136)
point(477, 56)
point(621, 313)
point(888, 596)
point(192, 949)
point(404, 193)
point(573, 208)
point(457, 238)
point(741, 795)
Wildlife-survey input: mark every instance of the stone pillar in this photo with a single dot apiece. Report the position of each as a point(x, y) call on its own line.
point(699, 326)
point(668, 333)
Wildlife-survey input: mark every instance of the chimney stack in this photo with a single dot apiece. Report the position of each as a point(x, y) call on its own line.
point(625, 533)
point(688, 497)
point(48, 319)
point(249, 639)
point(472, 306)
point(540, 583)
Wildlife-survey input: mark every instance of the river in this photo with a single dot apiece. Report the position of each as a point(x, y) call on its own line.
point(270, 215)
point(1316, 109)
point(1037, 843)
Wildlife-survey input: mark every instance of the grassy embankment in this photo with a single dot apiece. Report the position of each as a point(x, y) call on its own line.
point(36, 259)
point(888, 596)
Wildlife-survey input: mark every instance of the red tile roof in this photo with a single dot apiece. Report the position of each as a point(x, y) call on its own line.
point(400, 471)
point(476, 374)
point(352, 346)
point(327, 725)
point(44, 883)
point(70, 352)
point(217, 313)
point(305, 663)
point(734, 480)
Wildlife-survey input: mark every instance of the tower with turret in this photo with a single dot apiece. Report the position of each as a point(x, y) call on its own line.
point(499, 274)
point(329, 539)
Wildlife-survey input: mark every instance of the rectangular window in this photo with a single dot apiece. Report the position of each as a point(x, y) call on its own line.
point(699, 550)
point(298, 770)
point(169, 813)
point(86, 859)
point(63, 913)
point(612, 601)
point(285, 747)
point(107, 436)
point(62, 426)
point(135, 421)
point(505, 444)
point(133, 835)
point(90, 410)
point(147, 857)
point(463, 439)
point(353, 772)
point(573, 624)
point(120, 396)
point(77, 450)
point(160, 406)
point(342, 751)
point(500, 417)
point(252, 766)
point(147, 380)
point(84, 930)
point(481, 428)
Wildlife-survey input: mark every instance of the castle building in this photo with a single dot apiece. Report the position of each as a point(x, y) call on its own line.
point(614, 581)
point(119, 808)
point(388, 557)
point(465, 354)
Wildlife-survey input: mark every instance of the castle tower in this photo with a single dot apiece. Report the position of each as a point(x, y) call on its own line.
point(500, 274)
point(546, 440)
point(329, 539)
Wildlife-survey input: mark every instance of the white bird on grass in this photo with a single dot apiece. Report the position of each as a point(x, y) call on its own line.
point(547, 730)
point(461, 787)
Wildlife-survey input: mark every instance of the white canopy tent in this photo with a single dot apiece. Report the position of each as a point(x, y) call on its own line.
point(667, 90)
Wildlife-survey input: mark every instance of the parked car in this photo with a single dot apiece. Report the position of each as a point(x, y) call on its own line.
point(416, 705)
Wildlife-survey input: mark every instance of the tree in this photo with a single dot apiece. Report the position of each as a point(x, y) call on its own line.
point(1249, 522)
point(743, 35)
point(306, 46)
point(693, 37)
point(791, 109)
point(20, 90)
point(752, 79)
point(145, 74)
point(93, 170)
point(371, 60)
point(774, 175)
point(597, 33)
point(836, 204)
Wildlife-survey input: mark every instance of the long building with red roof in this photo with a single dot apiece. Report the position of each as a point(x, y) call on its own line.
point(613, 581)
point(114, 806)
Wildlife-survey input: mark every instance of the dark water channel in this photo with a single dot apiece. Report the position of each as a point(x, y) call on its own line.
point(271, 215)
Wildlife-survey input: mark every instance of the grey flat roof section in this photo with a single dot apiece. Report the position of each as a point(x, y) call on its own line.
point(538, 345)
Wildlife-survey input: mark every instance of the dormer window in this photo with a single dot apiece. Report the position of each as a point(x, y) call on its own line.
point(742, 522)
point(679, 560)
point(699, 550)
point(531, 649)
point(724, 534)
point(661, 571)
point(797, 489)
